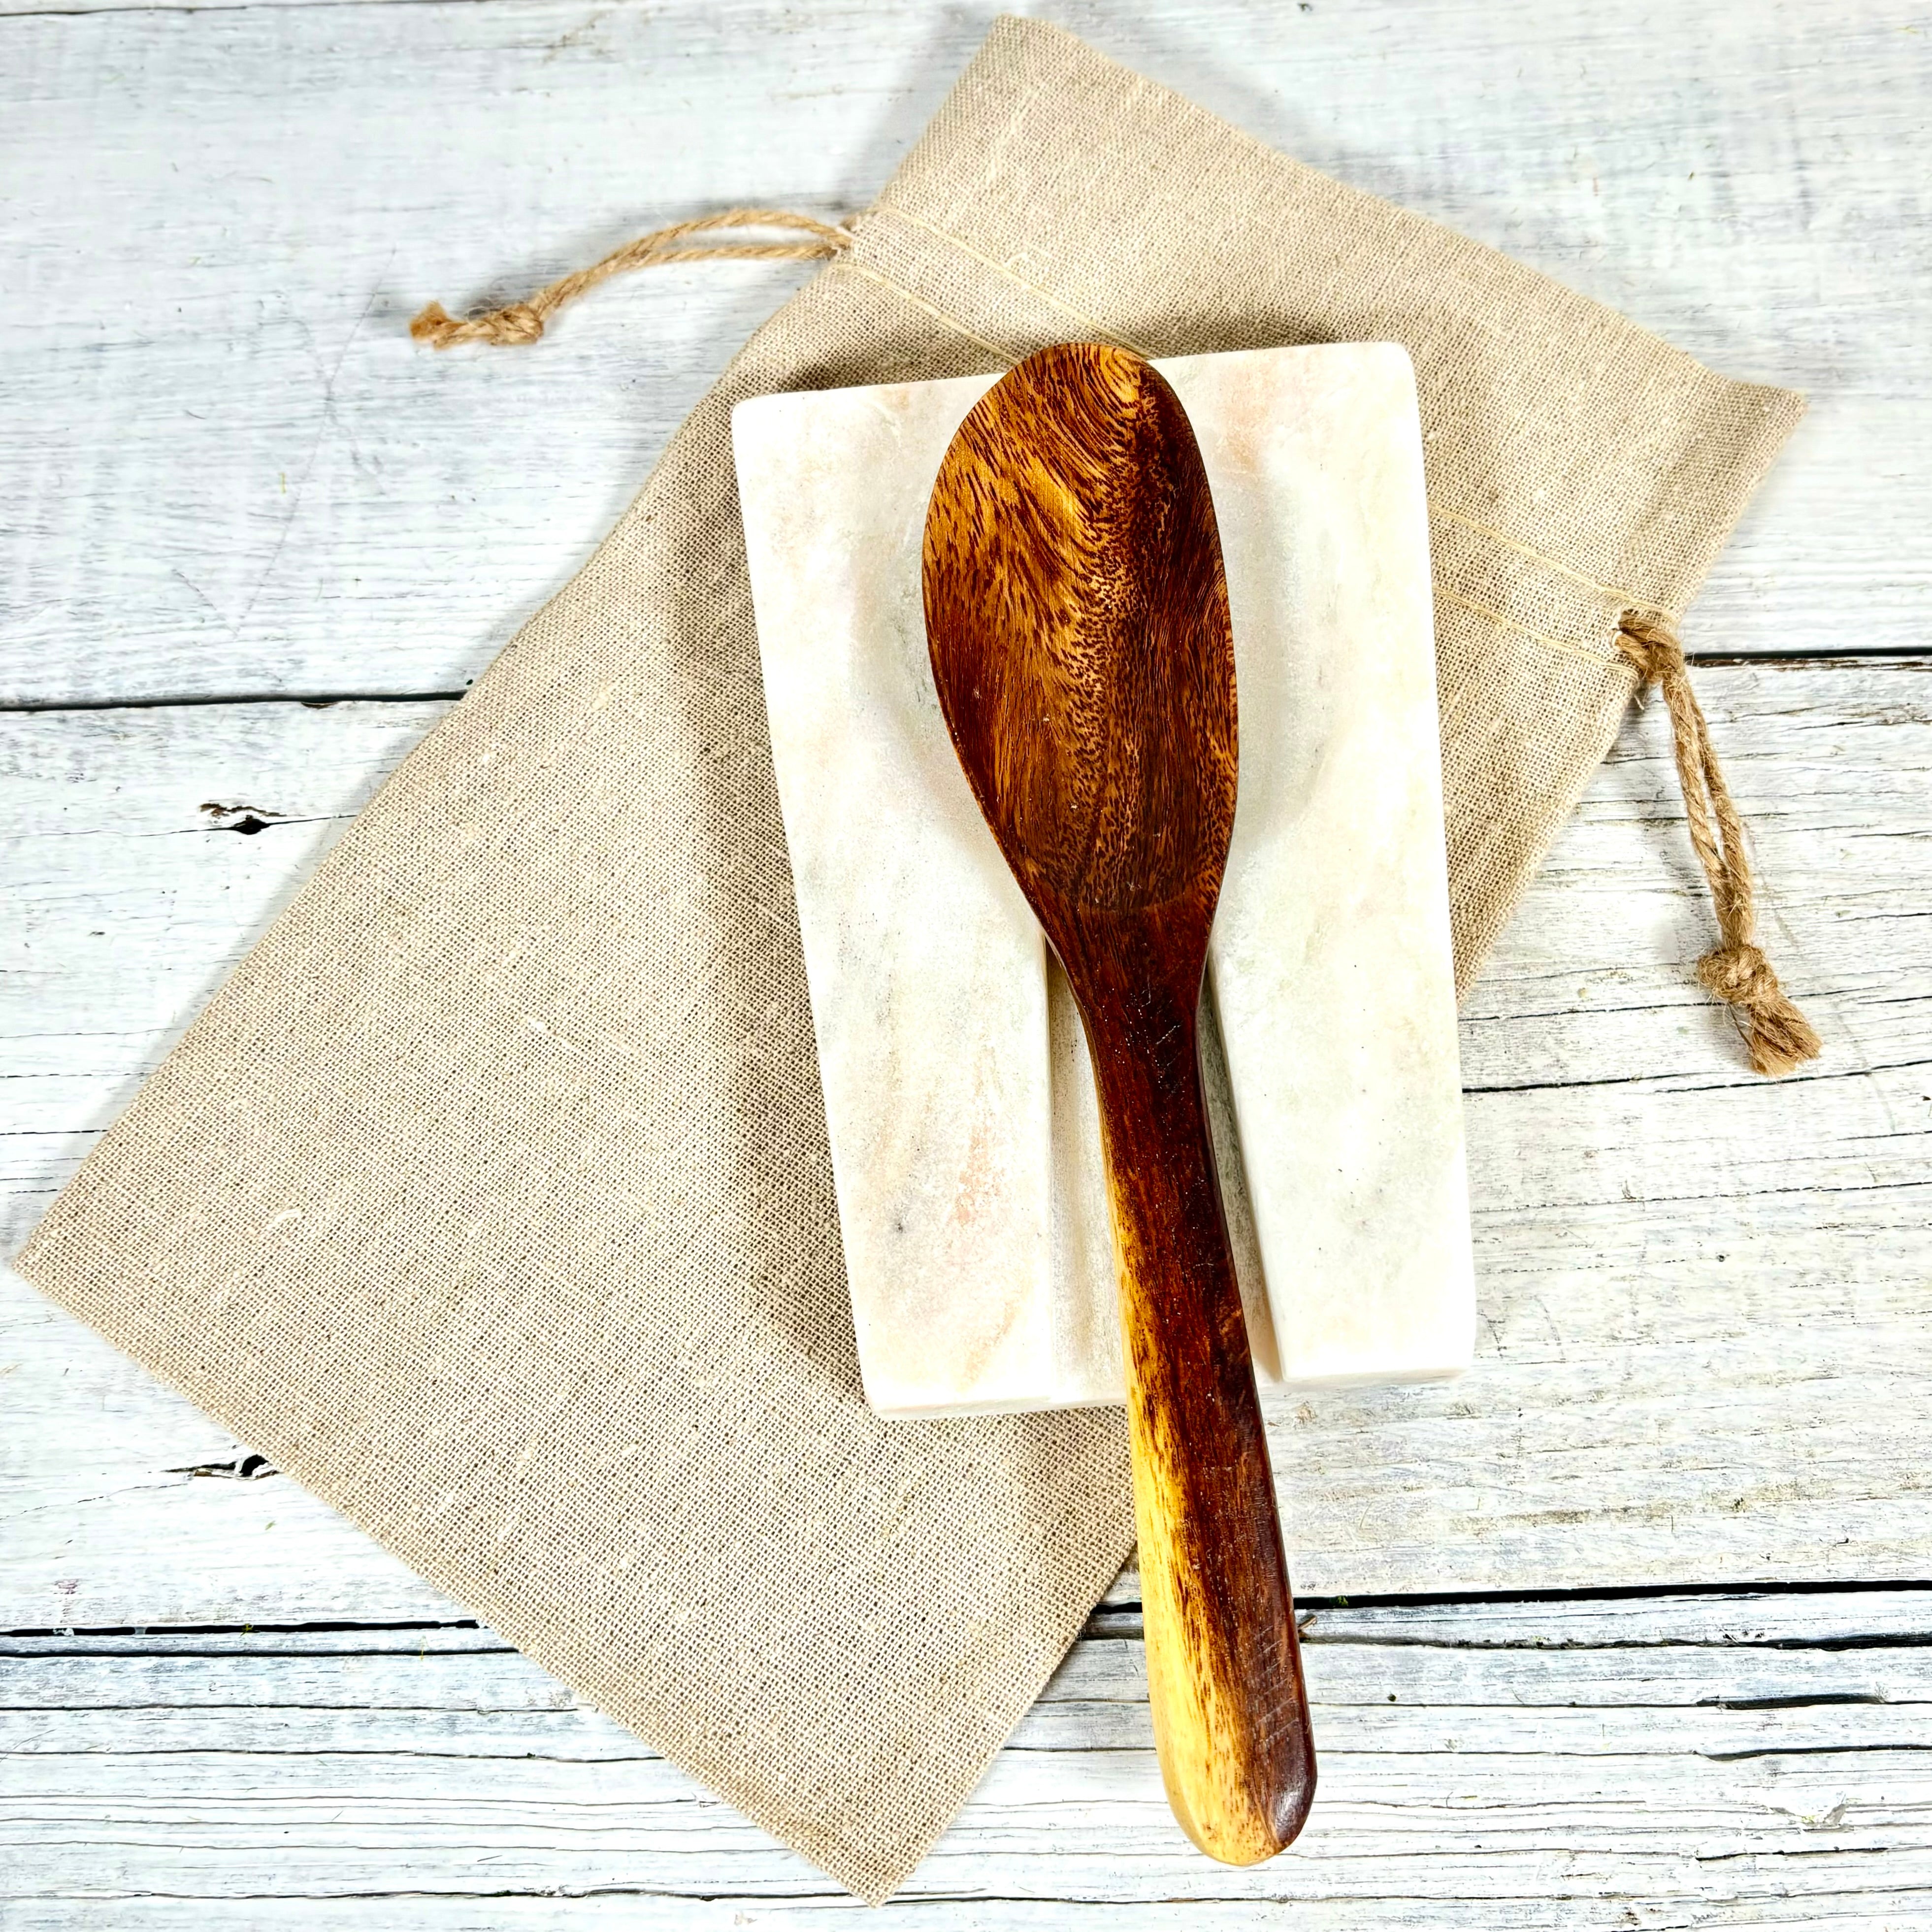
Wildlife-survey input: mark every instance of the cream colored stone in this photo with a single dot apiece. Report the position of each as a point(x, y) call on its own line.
point(965, 1139)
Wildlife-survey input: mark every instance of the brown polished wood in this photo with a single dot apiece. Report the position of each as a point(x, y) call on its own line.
point(1077, 616)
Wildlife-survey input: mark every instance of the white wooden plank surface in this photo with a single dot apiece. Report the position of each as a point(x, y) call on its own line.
point(233, 472)
point(1724, 1762)
point(1705, 1297)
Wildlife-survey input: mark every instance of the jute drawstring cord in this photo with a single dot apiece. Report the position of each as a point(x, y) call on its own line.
point(1777, 1035)
point(523, 322)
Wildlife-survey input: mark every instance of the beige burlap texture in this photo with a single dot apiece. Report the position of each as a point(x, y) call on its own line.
point(489, 1196)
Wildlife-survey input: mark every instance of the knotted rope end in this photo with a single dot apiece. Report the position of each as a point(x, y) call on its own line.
point(523, 322)
point(1777, 1036)
point(507, 327)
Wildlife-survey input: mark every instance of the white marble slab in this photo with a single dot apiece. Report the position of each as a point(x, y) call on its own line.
point(965, 1140)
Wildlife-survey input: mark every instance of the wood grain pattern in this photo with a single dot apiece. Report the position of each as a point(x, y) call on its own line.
point(1077, 616)
point(1683, 1761)
point(1704, 1308)
point(236, 474)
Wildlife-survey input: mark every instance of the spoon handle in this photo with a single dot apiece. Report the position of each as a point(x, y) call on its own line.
point(1224, 1666)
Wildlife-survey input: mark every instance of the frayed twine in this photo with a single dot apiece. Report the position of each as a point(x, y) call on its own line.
point(1777, 1035)
point(523, 322)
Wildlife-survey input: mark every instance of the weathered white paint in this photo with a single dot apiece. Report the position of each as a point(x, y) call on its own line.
point(1704, 1296)
point(232, 472)
point(1724, 1761)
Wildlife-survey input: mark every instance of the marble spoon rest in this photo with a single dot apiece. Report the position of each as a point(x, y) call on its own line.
point(959, 1102)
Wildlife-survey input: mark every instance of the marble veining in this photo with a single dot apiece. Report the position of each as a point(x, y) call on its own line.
point(964, 1136)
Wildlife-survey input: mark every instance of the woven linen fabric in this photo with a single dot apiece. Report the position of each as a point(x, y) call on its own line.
point(489, 1196)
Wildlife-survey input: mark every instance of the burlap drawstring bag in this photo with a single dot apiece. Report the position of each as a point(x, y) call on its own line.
point(489, 1196)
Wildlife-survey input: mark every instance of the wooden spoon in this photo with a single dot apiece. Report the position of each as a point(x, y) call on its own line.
point(1077, 617)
